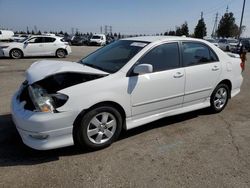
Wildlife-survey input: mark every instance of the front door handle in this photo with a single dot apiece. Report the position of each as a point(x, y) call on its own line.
point(215, 68)
point(178, 75)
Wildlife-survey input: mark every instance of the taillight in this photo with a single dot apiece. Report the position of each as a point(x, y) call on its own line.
point(242, 65)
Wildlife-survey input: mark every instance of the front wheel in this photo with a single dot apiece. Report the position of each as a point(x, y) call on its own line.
point(219, 98)
point(16, 54)
point(98, 128)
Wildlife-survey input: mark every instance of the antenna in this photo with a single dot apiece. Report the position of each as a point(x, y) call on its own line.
point(215, 26)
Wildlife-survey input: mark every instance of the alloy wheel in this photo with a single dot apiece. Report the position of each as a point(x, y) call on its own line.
point(101, 128)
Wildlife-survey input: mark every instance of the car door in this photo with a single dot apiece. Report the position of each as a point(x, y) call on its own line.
point(34, 47)
point(202, 70)
point(50, 46)
point(163, 89)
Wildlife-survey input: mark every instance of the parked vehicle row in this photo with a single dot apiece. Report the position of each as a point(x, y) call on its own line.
point(95, 40)
point(123, 85)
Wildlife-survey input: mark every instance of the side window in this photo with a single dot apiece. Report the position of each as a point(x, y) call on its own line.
point(197, 53)
point(0, 32)
point(163, 57)
point(36, 40)
point(49, 39)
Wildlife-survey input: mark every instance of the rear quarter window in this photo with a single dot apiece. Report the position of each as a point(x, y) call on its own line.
point(49, 39)
point(195, 53)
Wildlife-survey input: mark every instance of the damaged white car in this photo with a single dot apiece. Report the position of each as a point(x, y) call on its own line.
point(126, 84)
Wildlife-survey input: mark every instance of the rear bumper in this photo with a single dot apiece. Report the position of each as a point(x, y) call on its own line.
point(42, 131)
point(69, 51)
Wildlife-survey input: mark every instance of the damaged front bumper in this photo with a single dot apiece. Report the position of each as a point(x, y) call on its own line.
point(42, 131)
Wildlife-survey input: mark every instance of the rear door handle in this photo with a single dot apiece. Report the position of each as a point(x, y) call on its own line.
point(178, 75)
point(215, 68)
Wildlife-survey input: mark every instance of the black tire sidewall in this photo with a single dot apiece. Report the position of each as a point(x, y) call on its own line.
point(21, 54)
point(81, 129)
point(212, 107)
point(59, 51)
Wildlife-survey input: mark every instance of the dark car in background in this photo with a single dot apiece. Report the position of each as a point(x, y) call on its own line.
point(80, 40)
point(246, 43)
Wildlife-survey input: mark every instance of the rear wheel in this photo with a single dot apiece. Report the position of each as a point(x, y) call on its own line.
point(219, 98)
point(98, 128)
point(60, 53)
point(16, 54)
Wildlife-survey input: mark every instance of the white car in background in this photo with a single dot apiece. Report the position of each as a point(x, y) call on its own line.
point(36, 46)
point(98, 39)
point(213, 41)
point(6, 35)
point(123, 85)
point(228, 44)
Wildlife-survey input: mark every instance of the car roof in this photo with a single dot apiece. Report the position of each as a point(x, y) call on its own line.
point(46, 36)
point(161, 38)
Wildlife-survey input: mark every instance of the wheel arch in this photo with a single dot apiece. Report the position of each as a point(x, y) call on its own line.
point(66, 52)
point(228, 83)
point(104, 103)
point(16, 49)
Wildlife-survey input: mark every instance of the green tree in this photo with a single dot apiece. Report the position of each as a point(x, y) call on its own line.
point(183, 30)
point(200, 30)
point(227, 26)
point(166, 33)
point(171, 33)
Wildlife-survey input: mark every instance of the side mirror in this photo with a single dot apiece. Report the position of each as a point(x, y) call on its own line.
point(143, 69)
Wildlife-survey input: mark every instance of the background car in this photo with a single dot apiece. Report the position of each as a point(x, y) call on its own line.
point(6, 35)
point(228, 44)
point(98, 39)
point(19, 37)
point(37, 46)
point(245, 43)
point(80, 40)
point(213, 41)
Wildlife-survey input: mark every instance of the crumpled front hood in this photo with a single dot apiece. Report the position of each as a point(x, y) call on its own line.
point(42, 69)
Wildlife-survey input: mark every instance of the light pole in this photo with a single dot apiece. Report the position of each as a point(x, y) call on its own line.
point(242, 14)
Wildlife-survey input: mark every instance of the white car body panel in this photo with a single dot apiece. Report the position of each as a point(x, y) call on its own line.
point(46, 68)
point(164, 98)
point(144, 98)
point(197, 91)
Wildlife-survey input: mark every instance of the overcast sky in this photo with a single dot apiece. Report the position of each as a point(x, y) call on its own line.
point(125, 16)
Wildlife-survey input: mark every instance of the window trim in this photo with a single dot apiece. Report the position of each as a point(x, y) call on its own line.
point(130, 71)
point(203, 63)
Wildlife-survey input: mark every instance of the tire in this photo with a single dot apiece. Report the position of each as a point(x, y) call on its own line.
point(98, 128)
point(219, 98)
point(60, 53)
point(16, 54)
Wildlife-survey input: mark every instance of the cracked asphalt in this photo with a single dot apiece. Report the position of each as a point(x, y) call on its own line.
point(196, 149)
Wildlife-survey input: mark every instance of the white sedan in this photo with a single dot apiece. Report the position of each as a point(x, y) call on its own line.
point(123, 85)
point(36, 46)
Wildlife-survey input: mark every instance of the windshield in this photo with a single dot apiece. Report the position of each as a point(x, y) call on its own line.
point(232, 41)
point(96, 37)
point(113, 57)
